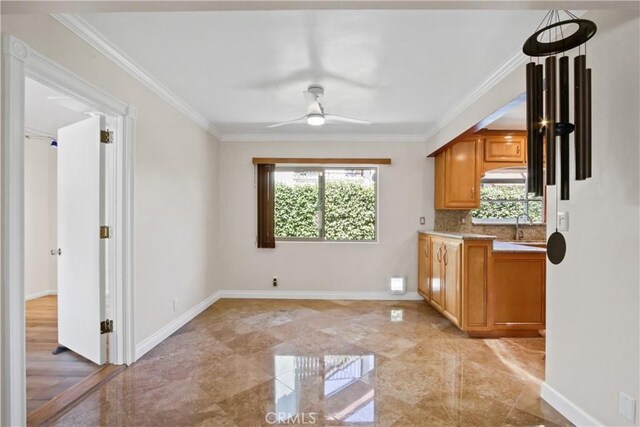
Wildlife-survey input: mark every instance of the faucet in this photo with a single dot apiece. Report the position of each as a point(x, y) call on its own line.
point(519, 233)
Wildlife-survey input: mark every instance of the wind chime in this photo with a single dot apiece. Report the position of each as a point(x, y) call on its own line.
point(543, 125)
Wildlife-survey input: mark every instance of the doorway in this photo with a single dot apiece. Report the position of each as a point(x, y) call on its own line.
point(20, 63)
point(67, 176)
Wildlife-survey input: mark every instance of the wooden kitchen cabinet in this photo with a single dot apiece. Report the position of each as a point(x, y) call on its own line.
point(452, 276)
point(445, 275)
point(424, 266)
point(436, 291)
point(483, 291)
point(504, 149)
point(460, 166)
point(457, 175)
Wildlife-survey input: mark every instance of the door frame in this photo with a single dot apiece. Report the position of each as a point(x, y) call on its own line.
point(20, 61)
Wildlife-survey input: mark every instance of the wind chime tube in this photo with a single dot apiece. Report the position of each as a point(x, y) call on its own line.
point(579, 65)
point(531, 126)
point(564, 137)
point(587, 123)
point(550, 107)
point(539, 140)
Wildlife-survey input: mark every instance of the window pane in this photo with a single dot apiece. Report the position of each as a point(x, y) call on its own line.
point(350, 204)
point(496, 191)
point(535, 211)
point(297, 204)
point(499, 210)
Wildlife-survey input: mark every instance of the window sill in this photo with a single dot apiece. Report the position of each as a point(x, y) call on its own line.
point(366, 242)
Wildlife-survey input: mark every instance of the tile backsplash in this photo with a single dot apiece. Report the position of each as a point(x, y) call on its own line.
point(460, 222)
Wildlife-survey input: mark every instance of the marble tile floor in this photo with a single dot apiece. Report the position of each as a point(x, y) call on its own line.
point(304, 362)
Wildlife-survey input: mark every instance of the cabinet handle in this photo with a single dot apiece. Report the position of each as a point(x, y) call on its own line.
point(473, 193)
point(518, 149)
point(439, 256)
point(426, 253)
point(446, 257)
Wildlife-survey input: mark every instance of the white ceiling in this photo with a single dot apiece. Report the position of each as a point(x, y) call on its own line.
point(516, 119)
point(47, 110)
point(242, 70)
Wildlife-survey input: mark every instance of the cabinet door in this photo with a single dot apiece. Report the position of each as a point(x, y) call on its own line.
point(504, 149)
point(461, 175)
point(424, 266)
point(437, 274)
point(452, 294)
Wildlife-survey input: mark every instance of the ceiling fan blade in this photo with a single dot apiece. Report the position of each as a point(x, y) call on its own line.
point(342, 119)
point(298, 120)
point(313, 105)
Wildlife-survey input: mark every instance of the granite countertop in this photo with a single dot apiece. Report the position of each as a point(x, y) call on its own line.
point(464, 236)
point(508, 247)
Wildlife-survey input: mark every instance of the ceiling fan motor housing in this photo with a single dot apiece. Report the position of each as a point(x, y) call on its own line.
point(316, 90)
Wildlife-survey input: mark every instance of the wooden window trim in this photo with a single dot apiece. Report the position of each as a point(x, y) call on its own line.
point(320, 161)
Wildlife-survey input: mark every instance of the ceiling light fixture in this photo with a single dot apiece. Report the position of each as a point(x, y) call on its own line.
point(315, 119)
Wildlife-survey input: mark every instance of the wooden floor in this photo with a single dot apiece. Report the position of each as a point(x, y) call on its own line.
point(49, 375)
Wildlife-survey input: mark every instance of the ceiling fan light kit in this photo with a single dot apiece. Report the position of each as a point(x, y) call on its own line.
point(315, 119)
point(315, 112)
point(543, 126)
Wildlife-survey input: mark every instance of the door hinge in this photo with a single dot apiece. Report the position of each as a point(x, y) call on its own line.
point(106, 136)
point(105, 232)
point(106, 326)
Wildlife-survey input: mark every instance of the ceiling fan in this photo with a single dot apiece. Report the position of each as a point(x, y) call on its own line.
point(315, 112)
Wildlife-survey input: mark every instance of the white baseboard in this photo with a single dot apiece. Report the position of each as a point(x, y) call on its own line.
point(365, 295)
point(159, 336)
point(567, 408)
point(39, 294)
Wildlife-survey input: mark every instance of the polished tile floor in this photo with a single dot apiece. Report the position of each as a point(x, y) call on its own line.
point(301, 362)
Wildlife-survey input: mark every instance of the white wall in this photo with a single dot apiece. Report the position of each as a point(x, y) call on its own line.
point(175, 181)
point(405, 193)
point(40, 217)
point(592, 297)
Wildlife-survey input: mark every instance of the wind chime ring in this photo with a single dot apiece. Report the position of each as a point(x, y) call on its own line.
point(534, 47)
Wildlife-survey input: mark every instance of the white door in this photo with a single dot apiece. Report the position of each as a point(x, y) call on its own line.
point(80, 283)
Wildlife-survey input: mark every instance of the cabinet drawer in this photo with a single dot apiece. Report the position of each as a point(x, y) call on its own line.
point(504, 149)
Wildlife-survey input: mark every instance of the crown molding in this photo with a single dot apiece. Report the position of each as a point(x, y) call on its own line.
point(305, 137)
point(494, 78)
point(95, 39)
point(517, 60)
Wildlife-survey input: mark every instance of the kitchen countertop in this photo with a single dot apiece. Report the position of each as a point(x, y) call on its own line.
point(464, 236)
point(507, 247)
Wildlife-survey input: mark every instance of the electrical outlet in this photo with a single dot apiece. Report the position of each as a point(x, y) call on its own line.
point(275, 280)
point(627, 407)
point(563, 221)
point(422, 220)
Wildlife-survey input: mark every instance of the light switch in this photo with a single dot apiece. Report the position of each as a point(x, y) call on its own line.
point(563, 221)
point(421, 220)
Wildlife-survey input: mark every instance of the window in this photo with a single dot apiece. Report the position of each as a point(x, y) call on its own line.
point(325, 203)
point(504, 197)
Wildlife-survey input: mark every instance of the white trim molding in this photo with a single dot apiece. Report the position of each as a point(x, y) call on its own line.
point(494, 78)
point(567, 408)
point(157, 337)
point(95, 39)
point(305, 137)
point(20, 62)
point(40, 294)
point(330, 295)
